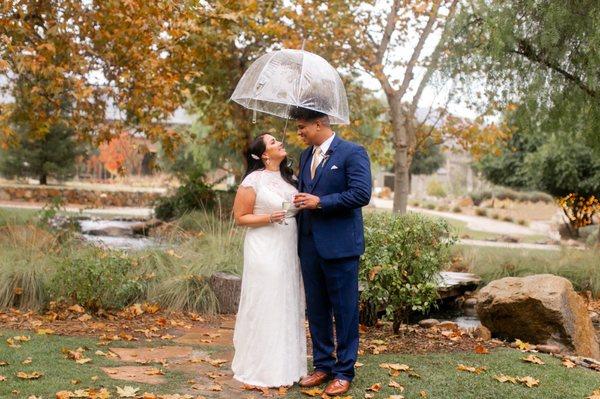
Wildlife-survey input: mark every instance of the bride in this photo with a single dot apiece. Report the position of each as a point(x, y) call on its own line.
point(269, 337)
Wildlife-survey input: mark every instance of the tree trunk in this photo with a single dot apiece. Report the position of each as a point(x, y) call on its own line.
point(401, 161)
point(43, 179)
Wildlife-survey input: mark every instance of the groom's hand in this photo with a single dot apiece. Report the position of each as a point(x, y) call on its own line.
point(306, 201)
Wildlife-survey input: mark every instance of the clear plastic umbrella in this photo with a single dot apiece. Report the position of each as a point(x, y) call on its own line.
point(281, 80)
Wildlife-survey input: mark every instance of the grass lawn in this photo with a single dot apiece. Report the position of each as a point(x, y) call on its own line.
point(439, 377)
point(441, 380)
point(47, 358)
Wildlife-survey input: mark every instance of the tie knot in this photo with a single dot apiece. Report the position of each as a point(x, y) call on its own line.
point(318, 151)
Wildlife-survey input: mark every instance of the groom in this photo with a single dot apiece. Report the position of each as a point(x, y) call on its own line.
point(334, 183)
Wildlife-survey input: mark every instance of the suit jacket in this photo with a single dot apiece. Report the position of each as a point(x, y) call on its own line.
point(343, 184)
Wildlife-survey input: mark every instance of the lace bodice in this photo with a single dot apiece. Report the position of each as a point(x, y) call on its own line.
point(271, 190)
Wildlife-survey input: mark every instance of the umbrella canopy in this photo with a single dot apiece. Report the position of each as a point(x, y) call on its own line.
point(281, 80)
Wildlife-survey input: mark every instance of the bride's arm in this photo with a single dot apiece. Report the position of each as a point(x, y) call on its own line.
point(243, 208)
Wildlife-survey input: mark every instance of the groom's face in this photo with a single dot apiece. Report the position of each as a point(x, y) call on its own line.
point(308, 130)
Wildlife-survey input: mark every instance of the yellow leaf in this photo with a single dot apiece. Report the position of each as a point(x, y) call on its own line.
point(529, 381)
point(568, 363)
point(470, 369)
point(44, 331)
point(395, 384)
point(29, 376)
point(314, 392)
point(127, 391)
point(533, 359)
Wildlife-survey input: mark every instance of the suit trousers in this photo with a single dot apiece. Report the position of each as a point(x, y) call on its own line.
point(331, 287)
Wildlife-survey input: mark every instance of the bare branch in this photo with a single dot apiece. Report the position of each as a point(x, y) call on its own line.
point(408, 74)
point(435, 56)
point(389, 30)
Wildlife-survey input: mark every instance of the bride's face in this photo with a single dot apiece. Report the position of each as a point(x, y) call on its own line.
point(274, 149)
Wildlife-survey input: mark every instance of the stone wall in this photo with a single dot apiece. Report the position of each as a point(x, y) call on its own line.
point(81, 196)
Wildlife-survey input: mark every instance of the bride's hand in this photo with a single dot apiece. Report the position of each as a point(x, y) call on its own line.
point(277, 217)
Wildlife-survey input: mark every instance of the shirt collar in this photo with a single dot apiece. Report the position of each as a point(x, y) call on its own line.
point(325, 145)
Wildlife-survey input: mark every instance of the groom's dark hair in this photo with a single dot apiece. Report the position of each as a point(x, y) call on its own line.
point(307, 114)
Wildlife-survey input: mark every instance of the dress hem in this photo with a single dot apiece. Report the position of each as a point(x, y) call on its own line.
point(262, 385)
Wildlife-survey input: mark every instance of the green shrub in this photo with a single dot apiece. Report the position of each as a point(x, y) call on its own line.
point(97, 279)
point(435, 189)
point(522, 222)
point(495, 216)
point(430, 206)
point(443, 208)
point(508, 219)
point(457, 209)
point(402, 259)
point(193, 194)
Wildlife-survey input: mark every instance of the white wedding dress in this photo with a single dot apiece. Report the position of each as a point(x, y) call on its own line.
point(269, 337)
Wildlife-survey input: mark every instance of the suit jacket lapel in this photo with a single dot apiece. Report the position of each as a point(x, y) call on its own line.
point(324, 162)
point(304, 158)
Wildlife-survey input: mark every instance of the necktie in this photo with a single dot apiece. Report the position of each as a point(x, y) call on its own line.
point(316, 159)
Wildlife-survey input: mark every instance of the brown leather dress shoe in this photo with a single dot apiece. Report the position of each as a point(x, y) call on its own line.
point(337, 387)
point(315, 378)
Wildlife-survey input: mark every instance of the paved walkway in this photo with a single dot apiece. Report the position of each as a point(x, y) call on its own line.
point(478, 223)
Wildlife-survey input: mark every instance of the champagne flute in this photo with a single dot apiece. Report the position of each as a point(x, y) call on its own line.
point(286, 206)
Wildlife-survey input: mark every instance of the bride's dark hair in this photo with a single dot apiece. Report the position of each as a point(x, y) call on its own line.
point(254, 157)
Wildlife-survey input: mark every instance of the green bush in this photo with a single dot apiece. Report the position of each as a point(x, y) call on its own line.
point(435, 189)
point(192, 195)
point(97, 279)
point(403, 256)
point(457, 209)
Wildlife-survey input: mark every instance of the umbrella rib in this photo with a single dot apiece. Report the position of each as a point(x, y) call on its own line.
point(261, 73)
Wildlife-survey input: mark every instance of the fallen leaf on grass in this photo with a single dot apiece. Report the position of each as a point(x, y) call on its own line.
point(358, 364)
point(34, 375)
point(127, 391)
point(594, 395)
point(524, 346)
point(423, 394)
point(26, 361)
point(533, 359)
point(568, 363)
point(396, 397)
point(470, 369)
point(44, 331)
point(2, 378)
point(375, 387)
point(312, 392)
point(528, 381)
point(395, 384)
point(481, 350)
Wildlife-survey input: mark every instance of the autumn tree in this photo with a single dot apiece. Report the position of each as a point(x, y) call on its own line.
point(134, 59)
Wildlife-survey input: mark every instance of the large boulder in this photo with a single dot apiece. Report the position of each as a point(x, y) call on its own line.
point(539, 309)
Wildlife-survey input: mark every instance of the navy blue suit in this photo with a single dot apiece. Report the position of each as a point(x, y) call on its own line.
point(330, 242)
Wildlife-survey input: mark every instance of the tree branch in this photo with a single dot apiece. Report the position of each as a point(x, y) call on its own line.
point(390, 27)
point(408, 74)
point(526, 50)
point(435, 56)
